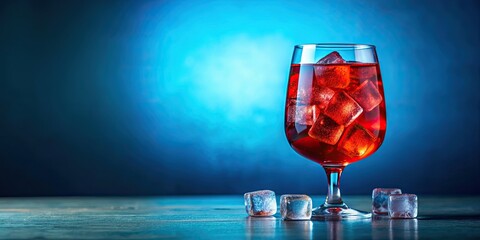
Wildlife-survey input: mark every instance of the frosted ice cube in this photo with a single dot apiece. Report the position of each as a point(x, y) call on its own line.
point(367, 95)
point(335, 76)
point(301, 114)
point(362, 72)
point(380, 199)
point(321, 96)
point(343, 109)
point(260, 203)
point(295, 207)
point(332, 58)
point(356, 141)
point(326, 130)
point(402, 206)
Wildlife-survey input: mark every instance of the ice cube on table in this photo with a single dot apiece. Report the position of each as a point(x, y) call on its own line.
point(343, 109)
point(295, 207)
point(402, 206)
point(260, 203)
point(301, 114)
point(335, 76)
point(380, 199)
point(326, 130)
point(321, 96)
point(367, 95)
point(356, 141)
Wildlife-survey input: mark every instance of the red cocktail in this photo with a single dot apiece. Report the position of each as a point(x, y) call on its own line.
point(335, 109)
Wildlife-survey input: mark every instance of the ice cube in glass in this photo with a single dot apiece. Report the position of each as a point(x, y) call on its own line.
point(322, 96)
point(343, 109)
point(301, 114)
point(332, 58)
point(326, 130)
point(356, 141)
point(367, 95)
point(360, 72)
point(331, 73)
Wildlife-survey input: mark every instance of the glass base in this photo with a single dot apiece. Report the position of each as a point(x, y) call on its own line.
point(338, 212)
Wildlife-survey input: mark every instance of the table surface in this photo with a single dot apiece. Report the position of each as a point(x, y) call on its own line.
point(221, 217)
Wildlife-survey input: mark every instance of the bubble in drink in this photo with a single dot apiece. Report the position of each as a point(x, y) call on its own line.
point(367, 95)
point(260, 203)
point(334, 76)
point(343, 109)
point(356, 141)
point(326, 130)
point(301, 114)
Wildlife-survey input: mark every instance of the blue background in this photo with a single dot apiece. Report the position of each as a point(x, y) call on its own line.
point(187, 97)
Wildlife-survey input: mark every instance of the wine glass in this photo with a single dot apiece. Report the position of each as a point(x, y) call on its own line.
point(335, 112)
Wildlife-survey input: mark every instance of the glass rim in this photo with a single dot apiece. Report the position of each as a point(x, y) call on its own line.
point(337, 45)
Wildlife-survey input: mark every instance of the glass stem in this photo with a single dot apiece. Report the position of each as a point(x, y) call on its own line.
point(334, 197)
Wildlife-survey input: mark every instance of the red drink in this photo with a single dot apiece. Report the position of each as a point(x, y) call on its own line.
point(335, 112)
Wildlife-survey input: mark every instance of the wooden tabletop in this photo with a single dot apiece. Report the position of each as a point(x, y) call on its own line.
point(221, 217)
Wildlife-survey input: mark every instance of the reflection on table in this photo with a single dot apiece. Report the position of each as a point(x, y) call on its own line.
point(382, 227)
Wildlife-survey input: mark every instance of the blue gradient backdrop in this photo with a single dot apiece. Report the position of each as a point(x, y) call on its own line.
point(186, 97)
